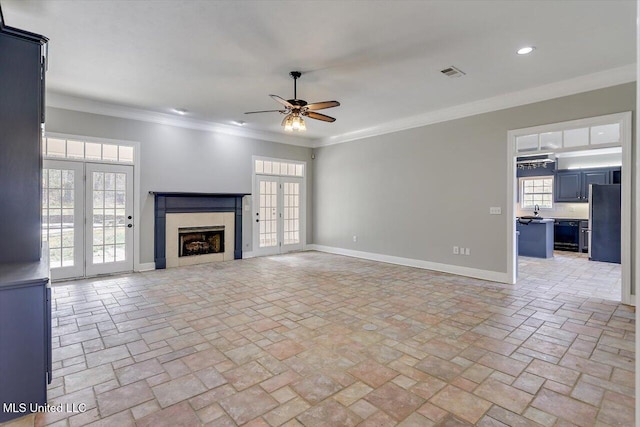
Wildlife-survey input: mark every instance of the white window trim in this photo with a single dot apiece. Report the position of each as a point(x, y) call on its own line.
point(137, 198)
point(273, 159)
point(530, 178)
point(101, 141)
point(625, 120)
point(622, 119)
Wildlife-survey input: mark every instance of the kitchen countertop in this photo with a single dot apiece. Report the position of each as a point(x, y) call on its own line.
point(536, 221)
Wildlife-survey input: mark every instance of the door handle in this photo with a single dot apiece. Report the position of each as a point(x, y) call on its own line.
point(129, 217)
point(129, 225)
point(257, 220)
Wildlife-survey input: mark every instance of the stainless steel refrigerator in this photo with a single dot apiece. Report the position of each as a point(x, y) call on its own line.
point(604, 222)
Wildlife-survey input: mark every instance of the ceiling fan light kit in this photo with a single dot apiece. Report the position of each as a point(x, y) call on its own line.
point(296, 109)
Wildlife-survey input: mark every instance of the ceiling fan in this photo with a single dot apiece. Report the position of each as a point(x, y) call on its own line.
point(295, 109)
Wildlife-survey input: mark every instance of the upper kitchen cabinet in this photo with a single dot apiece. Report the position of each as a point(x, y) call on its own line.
point(616, 176)
point(573, 185)
point(21, 118)
point(599, 176)
point(568, 187)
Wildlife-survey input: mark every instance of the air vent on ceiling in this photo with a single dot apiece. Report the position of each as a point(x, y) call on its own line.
point(452, 72)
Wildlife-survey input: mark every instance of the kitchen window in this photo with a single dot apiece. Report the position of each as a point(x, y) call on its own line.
point(537, 191)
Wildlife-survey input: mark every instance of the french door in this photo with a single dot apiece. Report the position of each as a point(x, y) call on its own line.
point(279, 223)
point(63, 217)
point(87, 218)
point(109, 219)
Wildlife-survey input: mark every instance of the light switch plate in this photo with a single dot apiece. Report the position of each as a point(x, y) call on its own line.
point(495, 210)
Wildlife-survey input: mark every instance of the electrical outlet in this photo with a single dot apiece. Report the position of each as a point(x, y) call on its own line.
point(495, 210)
point(456, 250)
point(355, 238)
point(467, 251)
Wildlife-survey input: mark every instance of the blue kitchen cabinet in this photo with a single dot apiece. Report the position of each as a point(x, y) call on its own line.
point(25, 304)
point(573, 185)
point(615, 176)
point(535, 238)
point(568, 187)
point(595, 176)
point(25, 336)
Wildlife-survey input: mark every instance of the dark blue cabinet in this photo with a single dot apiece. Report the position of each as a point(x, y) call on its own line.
point(21, 94)
point(25, 310)
point(573, 185)
point(535, 238)
point(568, 187)
point(615, 176)
point(25, 336)
point(589, 177)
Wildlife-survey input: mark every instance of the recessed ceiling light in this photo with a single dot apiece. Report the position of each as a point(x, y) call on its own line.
point(526, 50)
point(180, 111)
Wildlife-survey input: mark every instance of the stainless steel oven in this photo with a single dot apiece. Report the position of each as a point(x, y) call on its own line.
point(566, 235)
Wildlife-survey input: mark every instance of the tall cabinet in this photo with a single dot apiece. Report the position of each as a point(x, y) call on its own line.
point(25, 312)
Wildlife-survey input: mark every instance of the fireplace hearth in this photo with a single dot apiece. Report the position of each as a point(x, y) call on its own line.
point(200, 240)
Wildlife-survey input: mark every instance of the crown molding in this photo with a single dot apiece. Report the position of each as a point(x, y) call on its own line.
point(68, 102)
point(602, 79)
point(559, 89)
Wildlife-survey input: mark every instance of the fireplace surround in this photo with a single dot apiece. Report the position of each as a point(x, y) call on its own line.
point(175, 203)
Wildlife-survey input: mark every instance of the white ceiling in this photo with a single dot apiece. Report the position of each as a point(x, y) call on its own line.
point(380, 59)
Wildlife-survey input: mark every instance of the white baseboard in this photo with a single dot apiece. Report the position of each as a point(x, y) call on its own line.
point(145, 266)
point(492, 276)
point(247, 254)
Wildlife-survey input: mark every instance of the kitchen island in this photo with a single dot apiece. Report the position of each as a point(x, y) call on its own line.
point(536, 237)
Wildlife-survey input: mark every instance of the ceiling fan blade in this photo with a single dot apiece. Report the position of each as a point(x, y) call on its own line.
point(282, 101)
point(322, 105)
point(266, 111)
point(319, 116)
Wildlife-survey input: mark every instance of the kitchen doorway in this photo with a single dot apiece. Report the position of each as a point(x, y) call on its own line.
point(568, 148)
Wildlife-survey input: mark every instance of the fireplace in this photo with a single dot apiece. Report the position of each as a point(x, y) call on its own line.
point(200, 240)
point(175, 211)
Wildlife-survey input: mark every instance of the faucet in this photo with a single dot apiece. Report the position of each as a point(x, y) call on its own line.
point(536, 208)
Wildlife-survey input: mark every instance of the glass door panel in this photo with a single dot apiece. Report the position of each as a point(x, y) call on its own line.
point(62, 217)
point(291, 206)
point(267, 214)
point(109, 244)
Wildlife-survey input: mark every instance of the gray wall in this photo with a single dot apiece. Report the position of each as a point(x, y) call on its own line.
point(186, 160)
point(419, 192)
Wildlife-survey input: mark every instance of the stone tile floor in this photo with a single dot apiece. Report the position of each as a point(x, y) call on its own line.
point(313, 339)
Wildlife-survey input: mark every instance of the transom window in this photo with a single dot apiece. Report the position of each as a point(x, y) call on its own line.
point(584, 133)
point(537, 191)
point(269, 167)
point(84, 150)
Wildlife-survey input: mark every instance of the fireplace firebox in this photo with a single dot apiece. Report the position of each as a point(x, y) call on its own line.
point(200, 240)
